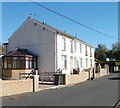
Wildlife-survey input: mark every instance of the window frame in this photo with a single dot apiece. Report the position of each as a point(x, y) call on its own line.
point(86, 50)
point(64, 62)
point(80, 48)
point(91, 63)
point(71, 46)
point(81, 63)
point(19, 61)
point(75, 47)
point(90, 52)
point(63, 44)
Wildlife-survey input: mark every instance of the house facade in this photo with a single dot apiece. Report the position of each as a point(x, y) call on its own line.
point(54, 48)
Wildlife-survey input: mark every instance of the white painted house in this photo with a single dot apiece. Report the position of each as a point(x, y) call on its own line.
point(54, 48)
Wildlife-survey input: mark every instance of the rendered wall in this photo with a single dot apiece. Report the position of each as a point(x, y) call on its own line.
point(76, 54)
point(12, 87)
point(81, 77)
point(39, 41)
point(15, 74)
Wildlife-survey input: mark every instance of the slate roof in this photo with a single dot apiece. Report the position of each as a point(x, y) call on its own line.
point(19, 52)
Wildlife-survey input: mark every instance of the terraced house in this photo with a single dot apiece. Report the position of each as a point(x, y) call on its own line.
point(49, 49)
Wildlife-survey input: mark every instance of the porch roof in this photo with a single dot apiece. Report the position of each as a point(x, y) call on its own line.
point(19, 52)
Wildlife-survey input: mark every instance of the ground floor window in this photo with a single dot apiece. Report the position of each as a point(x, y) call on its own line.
point(19, 62)
point(75, 62)
point(64, 61)
point(80, 61)
point(91, 63)
point(86, 63)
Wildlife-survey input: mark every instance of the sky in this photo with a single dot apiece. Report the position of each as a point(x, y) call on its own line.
point(101, 16)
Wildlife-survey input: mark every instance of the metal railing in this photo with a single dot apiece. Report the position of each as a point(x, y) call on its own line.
point(27, 75)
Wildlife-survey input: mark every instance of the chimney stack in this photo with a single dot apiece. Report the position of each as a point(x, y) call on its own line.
point(30, 16)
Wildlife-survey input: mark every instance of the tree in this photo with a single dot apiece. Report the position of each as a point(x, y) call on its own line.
point(101, 52)
point(116, 50)
point(110, 54)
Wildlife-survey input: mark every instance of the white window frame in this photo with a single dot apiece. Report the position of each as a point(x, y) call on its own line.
point(86, 61)
point(71, 46)
point(91, 63)
point(63, 44)
point(80, 63)
point(75, 46)
point(90, 52)
point(86, 50)
point(80, 45)
point(64, 61)
point(75, 62)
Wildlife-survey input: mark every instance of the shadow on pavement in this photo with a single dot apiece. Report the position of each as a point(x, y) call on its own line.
point(116, 72)
point(47, 83)
point(117, 77)
point(114, 78)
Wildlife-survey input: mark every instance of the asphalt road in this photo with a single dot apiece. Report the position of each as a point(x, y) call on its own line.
point(99, 92)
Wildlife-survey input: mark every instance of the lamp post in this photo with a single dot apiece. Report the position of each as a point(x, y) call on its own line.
point(107, 59)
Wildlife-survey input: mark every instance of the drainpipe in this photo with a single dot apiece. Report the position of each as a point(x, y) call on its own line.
point(56, 61)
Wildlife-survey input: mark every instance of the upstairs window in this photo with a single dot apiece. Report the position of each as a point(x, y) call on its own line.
point(71, 46)
point(90, 52)
point(80, 48)
point(63, 44)
point(86, 52)
point(75, 48)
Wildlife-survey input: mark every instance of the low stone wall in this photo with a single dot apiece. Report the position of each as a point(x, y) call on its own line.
point(76, 78)
point(103, 71)
point(12, 87)
point(83, 76)
point(116, 68)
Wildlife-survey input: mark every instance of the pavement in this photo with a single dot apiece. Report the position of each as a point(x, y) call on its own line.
point(102, 91)
point(51, 85)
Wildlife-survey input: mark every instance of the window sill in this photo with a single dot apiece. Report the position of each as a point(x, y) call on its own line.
point(64, 69)
point(63, 50)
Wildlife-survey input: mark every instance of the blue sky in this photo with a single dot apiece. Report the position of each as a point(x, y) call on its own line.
point(102, 16)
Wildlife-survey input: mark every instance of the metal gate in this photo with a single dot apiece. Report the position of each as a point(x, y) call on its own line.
point(47, 76)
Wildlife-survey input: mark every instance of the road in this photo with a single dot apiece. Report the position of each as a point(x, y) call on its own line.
point(102, 91)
